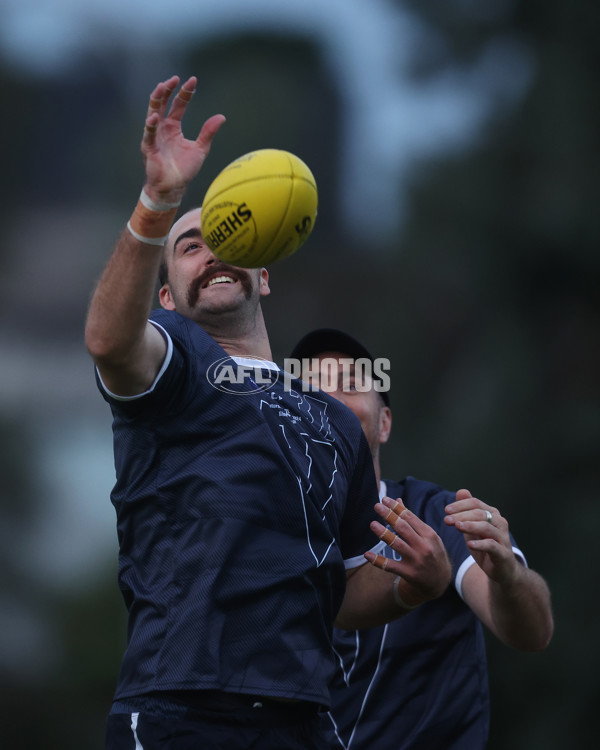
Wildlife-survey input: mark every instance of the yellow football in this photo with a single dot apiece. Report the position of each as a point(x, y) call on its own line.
point(260, 208)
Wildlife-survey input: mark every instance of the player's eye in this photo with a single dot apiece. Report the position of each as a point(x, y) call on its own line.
point(191, 246)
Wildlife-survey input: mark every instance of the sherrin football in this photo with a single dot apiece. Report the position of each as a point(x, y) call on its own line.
point(260, 208)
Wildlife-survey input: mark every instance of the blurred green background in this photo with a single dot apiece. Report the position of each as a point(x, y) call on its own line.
point(456, 148)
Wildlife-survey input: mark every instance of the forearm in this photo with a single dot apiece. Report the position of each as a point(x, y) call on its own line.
point(512, 600)
point(369, 600)
point(375, 596)
point(119, 309)
point(521, 611)
point(518, 612)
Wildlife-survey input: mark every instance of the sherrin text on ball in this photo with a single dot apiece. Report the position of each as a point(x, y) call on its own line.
point(260, 208)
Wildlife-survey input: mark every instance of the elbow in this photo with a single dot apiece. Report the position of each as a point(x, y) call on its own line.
point(544, 638)
point(100, 347)
point(107, 349)
point(94, 343)
point(537, 641)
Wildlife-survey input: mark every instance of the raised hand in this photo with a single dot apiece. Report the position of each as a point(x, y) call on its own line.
point(171, 160)
point(424, 566)
point(486, 534)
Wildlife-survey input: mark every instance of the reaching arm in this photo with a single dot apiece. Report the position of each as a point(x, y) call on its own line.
point(388, 589)
point(127, 350)
point(512, 600)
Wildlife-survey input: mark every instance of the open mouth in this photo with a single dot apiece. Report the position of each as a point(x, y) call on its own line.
point(220, 279)
point(217, 275)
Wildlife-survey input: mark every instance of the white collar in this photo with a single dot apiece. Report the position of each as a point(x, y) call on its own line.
point(256, 362)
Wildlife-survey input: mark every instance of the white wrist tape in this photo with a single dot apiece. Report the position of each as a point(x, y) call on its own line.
point(398, 599)
point(158, 241)
point(151, 220)
point(152, 205)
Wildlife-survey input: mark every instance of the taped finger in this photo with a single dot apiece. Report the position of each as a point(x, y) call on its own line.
point(379, 561)
point(185, 95)
point(388, 537)
point(398, 507)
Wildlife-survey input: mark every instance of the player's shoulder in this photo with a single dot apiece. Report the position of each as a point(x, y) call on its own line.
point(184, 331)
point(171, 321)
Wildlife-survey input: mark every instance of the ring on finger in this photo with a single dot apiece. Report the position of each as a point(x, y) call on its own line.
point(488, 516)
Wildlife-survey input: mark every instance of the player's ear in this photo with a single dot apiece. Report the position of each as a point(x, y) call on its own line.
point(264, 283)
point(164, 297)
point(385, 424)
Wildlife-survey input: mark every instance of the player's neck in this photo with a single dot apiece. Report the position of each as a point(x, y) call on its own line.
point(243, 338)
point(377, 468)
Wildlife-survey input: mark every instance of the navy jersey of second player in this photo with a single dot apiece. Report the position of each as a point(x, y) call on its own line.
point(420, 682)
point(236, 514)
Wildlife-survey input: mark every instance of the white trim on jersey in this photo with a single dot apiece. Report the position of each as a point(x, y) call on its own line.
point(471, 561)
point(164, 366)
point(134, 723)
point(256, 362)
point(355, 562)
point(367, 691)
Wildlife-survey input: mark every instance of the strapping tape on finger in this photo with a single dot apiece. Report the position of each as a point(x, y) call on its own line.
point(387, 536)
point(185, 95)
point(380, 562)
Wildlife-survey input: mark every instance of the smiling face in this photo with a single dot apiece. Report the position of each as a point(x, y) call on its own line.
point(199, 285)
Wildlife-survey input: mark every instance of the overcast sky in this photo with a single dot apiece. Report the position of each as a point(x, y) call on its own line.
point(389, 122)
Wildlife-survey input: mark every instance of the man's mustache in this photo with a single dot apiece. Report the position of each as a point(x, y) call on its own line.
point(219, 269)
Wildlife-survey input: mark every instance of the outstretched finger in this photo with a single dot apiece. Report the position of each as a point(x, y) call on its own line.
point(383, 533)
point(404, 522)
point(390, 510)
point(150, 128)
point(161, 95)
point(183, 98)
point(393, 541)
point(379, 561)
point(209, 130)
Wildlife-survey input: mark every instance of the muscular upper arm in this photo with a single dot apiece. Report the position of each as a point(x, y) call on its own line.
point(135, 372)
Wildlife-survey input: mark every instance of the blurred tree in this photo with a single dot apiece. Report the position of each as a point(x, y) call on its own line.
point(499, 316)
point(275, 93)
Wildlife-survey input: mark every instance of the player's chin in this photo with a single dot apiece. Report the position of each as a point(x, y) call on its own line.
point(223, 302)
point(213, 292)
